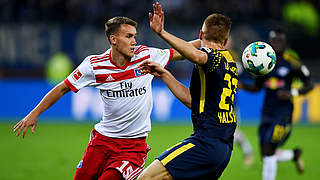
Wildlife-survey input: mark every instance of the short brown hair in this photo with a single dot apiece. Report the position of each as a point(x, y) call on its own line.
point(216, 28)
point(113, 25)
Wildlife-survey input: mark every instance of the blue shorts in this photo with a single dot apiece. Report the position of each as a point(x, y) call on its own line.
point(197, 158)
point(275, 134)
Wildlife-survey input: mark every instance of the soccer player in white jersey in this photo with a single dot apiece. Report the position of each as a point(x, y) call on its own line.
point(117, 148)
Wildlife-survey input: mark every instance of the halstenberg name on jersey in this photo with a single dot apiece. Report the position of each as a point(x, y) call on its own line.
point(227, 117)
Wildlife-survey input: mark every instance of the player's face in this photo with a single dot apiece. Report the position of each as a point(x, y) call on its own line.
point(125, 40)
point(278, 42)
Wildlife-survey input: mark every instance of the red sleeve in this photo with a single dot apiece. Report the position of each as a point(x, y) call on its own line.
point(67, 82)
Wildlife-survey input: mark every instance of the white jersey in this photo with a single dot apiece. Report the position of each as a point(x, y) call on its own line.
point(125, 92)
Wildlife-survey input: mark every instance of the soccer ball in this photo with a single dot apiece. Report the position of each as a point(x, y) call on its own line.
point(258, 58)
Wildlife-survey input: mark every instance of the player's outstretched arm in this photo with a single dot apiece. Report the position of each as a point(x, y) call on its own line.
point(184, 48)
point(178, 89)
point(177, 56)
point(47, 101)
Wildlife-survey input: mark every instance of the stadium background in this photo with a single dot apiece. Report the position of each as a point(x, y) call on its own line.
point(38, 39)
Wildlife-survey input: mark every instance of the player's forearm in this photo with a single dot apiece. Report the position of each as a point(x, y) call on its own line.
point(51, 98)
point(184, 48)
point(178, 89)
point(177, 56)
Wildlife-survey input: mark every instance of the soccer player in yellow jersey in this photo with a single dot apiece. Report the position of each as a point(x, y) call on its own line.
point(206, 153)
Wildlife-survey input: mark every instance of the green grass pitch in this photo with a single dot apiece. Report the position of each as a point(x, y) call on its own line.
point(56, 148)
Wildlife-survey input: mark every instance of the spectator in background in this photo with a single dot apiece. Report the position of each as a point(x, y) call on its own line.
point(304, 14)
point(58, 68)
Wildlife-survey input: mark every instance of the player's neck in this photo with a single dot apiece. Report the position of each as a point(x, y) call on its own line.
point(118, 58)
point(212, 45)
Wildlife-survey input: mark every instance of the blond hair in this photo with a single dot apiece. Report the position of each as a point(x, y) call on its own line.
point(216, 28)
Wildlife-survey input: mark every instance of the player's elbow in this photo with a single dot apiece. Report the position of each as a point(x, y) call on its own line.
point(147, 175)
point(187, 101)
point(144, 176)
point(198, 57)
point(188, 105)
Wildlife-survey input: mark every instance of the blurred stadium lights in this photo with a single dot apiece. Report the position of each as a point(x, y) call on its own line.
point(31, 31)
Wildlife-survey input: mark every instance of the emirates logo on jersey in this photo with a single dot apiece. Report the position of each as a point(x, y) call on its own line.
point(76, 74)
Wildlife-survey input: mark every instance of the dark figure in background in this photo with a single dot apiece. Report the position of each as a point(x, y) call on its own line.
point(276, 121)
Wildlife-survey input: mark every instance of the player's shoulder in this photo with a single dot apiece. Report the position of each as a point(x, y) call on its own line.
point(153, 52)
point(141, 49)
point(227, 55)
point(293, 58)
point(213, 54)
point(218, 55)
point(99, 58)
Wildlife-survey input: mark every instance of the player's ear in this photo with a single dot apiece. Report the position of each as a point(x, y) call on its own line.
point(113, 39)
point(201, 34)
point(225, 41)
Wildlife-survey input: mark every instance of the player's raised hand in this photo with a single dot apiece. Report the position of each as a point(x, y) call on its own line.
point(157, 18)
point(25, 123)
point(152, 68)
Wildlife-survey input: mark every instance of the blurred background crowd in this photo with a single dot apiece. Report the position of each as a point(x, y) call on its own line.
point(33, 32)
